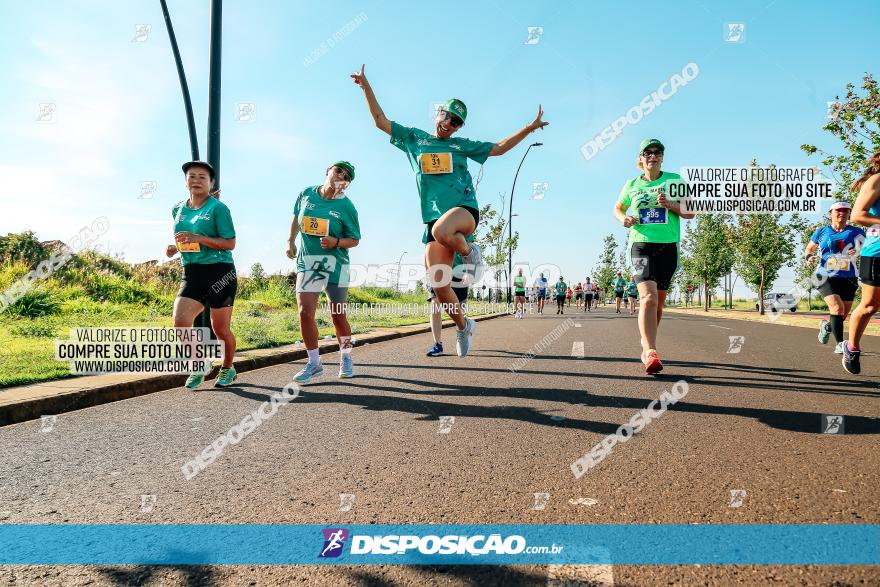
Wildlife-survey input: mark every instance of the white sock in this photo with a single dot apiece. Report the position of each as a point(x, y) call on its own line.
point(314, 359)
point(346, 351)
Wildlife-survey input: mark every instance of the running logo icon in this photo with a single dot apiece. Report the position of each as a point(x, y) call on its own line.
point(832, 424)
point(334, 541)
point(736, 344)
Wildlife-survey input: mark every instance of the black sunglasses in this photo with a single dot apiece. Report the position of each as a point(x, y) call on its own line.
point(648, 152)
point(454, 120)
point(344, 173)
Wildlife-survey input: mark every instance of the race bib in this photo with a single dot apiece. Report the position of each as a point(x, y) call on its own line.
point(652, 215)
point(433, 163)
point(837, 263)
point(188, 247)
point(315, 226)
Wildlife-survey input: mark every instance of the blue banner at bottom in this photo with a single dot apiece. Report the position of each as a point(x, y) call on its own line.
point(487, 544)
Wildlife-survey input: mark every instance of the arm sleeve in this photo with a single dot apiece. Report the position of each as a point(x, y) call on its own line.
point(477, 150)
point(625, 197)
point(223, 222)
point(401, 136)
point(351, 228)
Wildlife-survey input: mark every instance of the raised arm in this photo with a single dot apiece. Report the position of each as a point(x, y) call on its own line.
point(382, 122)
point(506, 144)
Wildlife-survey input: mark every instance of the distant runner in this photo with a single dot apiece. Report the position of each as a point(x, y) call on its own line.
point(541, 287)
point(560, 287)
point(619, 289)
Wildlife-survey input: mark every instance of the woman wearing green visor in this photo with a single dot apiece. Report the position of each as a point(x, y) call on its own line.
point(327, 223)
point(446, 190)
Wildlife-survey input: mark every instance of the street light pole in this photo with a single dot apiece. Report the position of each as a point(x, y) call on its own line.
point(397, 286)
point(510, 224)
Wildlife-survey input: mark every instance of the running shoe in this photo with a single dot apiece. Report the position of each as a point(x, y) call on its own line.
point(194, 380)
point(652, 362)
point(225, 377)
point(309, 371)
point(463, 337)
point(824, 331)
point(474, 257)
point(436, 350)
point(838, 350)
point(850, 360)
point(346, 367)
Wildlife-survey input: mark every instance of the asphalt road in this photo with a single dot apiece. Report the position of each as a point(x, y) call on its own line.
point(750, 422)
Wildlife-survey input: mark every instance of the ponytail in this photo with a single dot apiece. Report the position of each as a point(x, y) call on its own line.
point(873, 168)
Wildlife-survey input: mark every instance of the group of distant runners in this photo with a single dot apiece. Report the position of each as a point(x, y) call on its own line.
point(325, 224)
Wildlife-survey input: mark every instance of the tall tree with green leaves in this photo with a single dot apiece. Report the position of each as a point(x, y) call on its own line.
point(491, 235)
point(855, 120)
point(763, 243)
point(708, 250)
point(606, 272)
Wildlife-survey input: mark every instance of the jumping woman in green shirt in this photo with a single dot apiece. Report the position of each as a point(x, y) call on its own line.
point(448, 200)
point(653, 239)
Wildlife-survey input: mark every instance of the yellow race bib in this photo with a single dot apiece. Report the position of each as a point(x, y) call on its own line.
point(433, 163)
point(188, 247)
point(315, 226)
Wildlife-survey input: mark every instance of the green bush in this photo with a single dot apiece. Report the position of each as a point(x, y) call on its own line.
point(22, 247)
point(34, 304)
point(34, 328)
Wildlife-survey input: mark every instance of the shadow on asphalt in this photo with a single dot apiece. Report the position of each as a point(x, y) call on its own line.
point(428, 409)
point(192, 575)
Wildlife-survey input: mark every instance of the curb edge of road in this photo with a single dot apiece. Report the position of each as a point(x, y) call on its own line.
point(59, 403)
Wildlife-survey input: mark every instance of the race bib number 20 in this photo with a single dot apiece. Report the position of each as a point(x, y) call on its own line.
point(315, 226)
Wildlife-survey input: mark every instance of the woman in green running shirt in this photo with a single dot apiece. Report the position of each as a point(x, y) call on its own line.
point(448, 200)
point(561, 288)
point(519, 294)
point(653, 239)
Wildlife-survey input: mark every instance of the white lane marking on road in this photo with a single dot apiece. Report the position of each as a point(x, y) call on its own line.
point(577, 349)
point(577, 325)
point(574, 575)
point(583, 501)
point(722, 327)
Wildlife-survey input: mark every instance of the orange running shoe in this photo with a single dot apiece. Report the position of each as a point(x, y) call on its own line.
point(652, 362)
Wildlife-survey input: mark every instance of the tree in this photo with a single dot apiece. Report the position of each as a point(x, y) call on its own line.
point(763, 243)
point(257, 273)
point(491, 233)
point(856, 122)
point(606, 272)
point(709, 252)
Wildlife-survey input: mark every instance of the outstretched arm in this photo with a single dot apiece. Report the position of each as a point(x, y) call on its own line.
point(504, 145)
point(379, 117)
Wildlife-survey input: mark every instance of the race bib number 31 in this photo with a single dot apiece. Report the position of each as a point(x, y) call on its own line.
point(652, 215)
point(315, 226)
point(436, 163)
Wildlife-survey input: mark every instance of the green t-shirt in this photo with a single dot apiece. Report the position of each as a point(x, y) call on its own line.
point(619, 284)
point(561, 288)
point(632, 289)
point(519, 283)
point(318, 217)
point(656, 224)
point(212, 219)
point(448, 187)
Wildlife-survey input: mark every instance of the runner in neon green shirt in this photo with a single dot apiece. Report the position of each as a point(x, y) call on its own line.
point(519, 294)
point(448, 200)
point(655, 230)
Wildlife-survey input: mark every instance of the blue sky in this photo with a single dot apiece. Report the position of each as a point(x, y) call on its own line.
point(119, 120)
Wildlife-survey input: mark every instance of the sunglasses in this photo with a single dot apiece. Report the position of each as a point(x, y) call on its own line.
point(343, 172)
point(454, 120)
point(652, 152)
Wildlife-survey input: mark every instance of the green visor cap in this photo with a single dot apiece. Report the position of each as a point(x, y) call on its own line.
point(347, 166)
point(457, 108)
point(650, 143)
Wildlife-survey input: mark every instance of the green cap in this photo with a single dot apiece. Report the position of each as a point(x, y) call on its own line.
point(649, 143)
point(347, 166)
point(457, 107)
